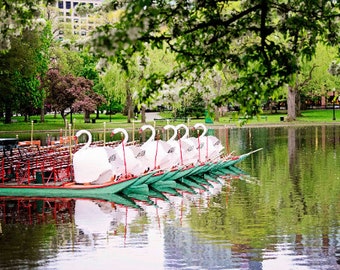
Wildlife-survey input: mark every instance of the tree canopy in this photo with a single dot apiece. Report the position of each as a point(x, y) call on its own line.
point(21, 68)
point(18, 16)
point(69, 94)
point(262, 40)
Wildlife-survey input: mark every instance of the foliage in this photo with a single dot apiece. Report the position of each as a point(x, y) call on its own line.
point(334, 69)
point(88, 68)
point(261, 40)
point(322, 81)
point(71, 93)
point(18, 16)
point(21, 68)
point(65, 59)
point(197, 106)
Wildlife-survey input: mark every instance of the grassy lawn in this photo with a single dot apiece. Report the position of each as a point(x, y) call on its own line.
point(118, 120)
point(308, 116)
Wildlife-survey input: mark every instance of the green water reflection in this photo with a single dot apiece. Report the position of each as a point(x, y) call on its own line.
point(290, 201)
point(294, 191)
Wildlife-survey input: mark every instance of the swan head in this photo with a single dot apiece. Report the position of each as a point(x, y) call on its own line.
point(83, 131)
point(166, 127)
point(186, 134)
point(200, 125)
point(89, 137)
point(153, 132)
point(144, 127)
point(121, 130)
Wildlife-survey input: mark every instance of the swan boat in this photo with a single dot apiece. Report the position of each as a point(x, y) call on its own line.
point(153, 184)
point(125, 189)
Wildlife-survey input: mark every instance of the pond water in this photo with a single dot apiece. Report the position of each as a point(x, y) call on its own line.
point(284, 214)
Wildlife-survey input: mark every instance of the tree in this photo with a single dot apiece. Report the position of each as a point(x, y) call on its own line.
point(67, 60)
point(17, 17)
point(86, 99)
point(89, 71)
point(58, 96)
point(117, 88)
point(43, 60)
point(322, 81)
point(334, 70)
point(68, 94)
point(125, 86)
point(294, 94)
point(261, 39)
point(309, 68)
point(21, 68)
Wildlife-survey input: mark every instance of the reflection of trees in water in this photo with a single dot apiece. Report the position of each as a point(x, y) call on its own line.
point(297, 196)
point(305, 162)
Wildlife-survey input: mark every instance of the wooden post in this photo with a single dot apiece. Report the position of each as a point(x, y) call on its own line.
point(133, 130)
point(32, 127)
point(104, 133)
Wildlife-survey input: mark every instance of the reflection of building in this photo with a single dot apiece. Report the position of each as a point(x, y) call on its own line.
point(80, 24)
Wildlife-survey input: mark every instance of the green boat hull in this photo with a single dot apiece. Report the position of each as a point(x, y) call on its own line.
point(91, 191)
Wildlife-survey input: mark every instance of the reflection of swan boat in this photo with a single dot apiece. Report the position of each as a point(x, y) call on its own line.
point(35, 210)
point(90, 216)
point(123, 188)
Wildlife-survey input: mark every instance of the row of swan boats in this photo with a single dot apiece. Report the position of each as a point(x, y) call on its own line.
point(127, 172)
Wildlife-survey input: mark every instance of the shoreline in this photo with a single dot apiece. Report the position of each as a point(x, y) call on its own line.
point(215, 126)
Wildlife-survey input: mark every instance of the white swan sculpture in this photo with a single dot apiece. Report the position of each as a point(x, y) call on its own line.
point(91, 164)
point(176, 158)
point(123, 158)
point(211, 147)
point(188, 147)
point(158, 152)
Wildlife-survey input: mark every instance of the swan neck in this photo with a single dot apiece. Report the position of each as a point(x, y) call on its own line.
point(122, 130)
point(153, 132)
point(203, 127)
point(173, 137)
point(89, 137)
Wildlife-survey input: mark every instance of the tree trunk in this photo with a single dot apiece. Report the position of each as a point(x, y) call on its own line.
point(217, 114)
point(291, 104)
point(97, 113)
point(8, 114)
point(129, 104)
point(143, 116)
point(87, 116)
point(42, 112)
point(62, 113)
point(298, 104)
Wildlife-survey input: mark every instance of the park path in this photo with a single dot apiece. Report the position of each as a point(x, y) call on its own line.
point(150, 116)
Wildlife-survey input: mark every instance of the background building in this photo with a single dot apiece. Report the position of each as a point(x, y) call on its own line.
point(76, 24)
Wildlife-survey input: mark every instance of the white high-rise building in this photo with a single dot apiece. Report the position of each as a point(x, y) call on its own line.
point(79, 24)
